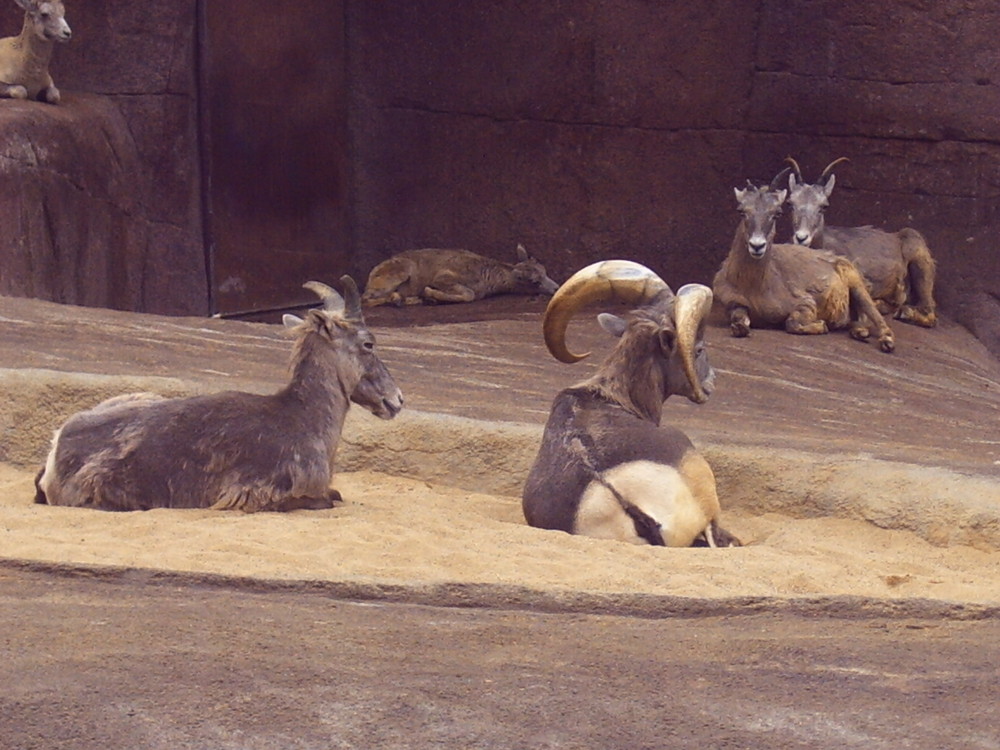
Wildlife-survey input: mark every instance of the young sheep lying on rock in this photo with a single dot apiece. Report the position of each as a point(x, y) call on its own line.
point(24, 59)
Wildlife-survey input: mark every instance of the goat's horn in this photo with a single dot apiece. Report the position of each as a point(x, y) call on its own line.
point(352, 299)
point(605, 280)
point(332, 300)
point(694, 301)
point(795, 166)
point(776, 183)
point(831, 165)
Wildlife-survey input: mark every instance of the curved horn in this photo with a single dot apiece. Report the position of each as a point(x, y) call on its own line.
point(605, 280)
point(831, 165)
point(795, 166)
point(352, 299)
point(332, 301)
point(776, 183)
point(694, 302)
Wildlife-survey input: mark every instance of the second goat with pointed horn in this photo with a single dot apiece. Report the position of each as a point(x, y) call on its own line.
point(897, 266)
point(607, 468)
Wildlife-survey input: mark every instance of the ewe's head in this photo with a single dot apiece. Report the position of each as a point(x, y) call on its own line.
point(809, 201)
point(760, 207)
point(338, 329)
point(530, 275)
point(661, 349)
point(48, 18)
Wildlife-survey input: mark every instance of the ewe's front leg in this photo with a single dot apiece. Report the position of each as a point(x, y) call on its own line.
point(803, 321)
point(739, 321)
point(13, 91)
point(921, 317)
point(49, 94)
point(324, 502)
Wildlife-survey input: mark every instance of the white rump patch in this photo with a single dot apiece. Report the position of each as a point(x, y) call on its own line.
point(660, 491)
point(49, 474)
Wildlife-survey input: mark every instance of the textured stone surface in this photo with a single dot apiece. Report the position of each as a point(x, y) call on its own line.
point(584, 130)
point(108, 207)
point(803, 425)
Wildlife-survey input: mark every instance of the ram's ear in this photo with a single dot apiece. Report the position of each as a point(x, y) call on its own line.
point(668, 339)
point(612, 324)
point(290, 321)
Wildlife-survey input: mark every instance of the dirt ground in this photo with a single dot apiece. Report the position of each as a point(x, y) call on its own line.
point(862, 612)
point(129, 662)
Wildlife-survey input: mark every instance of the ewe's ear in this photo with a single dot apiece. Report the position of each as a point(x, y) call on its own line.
point(612, 324)
point(290, 320)
point(522, 254)
point(828, 187)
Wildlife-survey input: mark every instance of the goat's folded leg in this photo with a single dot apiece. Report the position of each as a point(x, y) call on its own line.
point(13, 91)
point(301, 502)
point(739, 321)
point(917, 316)
point(716, 536)
point(50, 94)
point(803, 321)
point(456, 293)
point(860, 329)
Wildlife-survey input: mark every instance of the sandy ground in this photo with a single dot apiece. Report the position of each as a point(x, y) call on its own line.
point(846, 472)
point(396, 531)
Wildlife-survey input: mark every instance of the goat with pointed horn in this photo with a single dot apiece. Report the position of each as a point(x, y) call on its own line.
point(230, 450)
point(606, 467)
point(898, 267)
point(762, 283)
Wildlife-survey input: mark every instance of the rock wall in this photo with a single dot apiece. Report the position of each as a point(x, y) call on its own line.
point(583, 129)
point(105, 187)
point(595, 129)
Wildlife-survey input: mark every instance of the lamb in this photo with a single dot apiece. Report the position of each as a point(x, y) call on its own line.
point(606, 468)
point(230, 450)
point(807, 292)
point(24, 59)
point(898, 266)
point(429, 275)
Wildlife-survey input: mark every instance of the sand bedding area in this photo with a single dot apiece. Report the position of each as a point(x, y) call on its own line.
point(402, 534)
point(886, 490)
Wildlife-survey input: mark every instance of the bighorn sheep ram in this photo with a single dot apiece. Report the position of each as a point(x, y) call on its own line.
point(806, 291)
point(898, 266)
point(231, 450)
point(430, 275)
point(606, 468)
point(24, 59)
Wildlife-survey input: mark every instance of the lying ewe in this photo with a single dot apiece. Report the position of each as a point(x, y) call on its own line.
point(898, 266)
point(804, 290)
point(417, 276)
point(606, 468)
point(229, 451)
point(24, 59)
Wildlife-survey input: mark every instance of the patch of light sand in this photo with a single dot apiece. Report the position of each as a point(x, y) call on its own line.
point(400, 531)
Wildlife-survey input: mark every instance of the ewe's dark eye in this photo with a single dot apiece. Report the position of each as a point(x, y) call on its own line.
point(369, 346)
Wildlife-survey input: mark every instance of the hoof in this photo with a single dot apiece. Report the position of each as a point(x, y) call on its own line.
point(860, 333)
point(887, 344)
point(740, 330)
point(909, 314)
